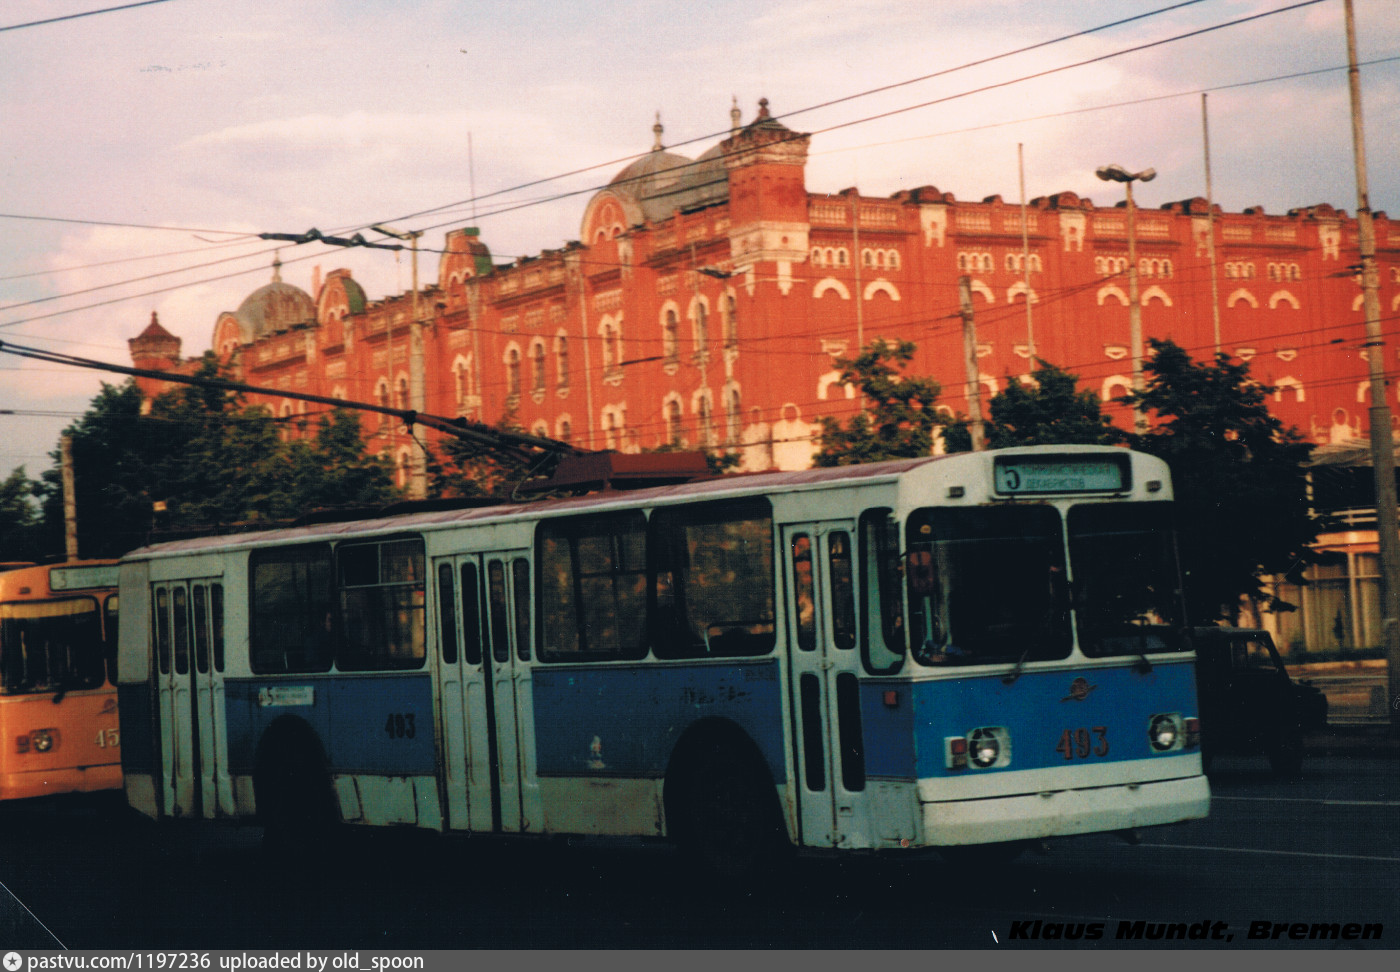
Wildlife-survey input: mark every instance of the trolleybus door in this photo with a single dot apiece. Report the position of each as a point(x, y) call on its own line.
point(188, 621)
point(825, 665)
point(464, 686)
point(488, 724)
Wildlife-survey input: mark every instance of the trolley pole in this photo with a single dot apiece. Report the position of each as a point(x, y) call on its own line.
point(974, 387)
point(1382, 446)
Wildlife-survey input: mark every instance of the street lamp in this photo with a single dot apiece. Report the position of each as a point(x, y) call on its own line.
point(417, 398)
point(1116, 173)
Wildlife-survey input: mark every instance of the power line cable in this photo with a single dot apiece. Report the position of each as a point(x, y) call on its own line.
point(85, 13)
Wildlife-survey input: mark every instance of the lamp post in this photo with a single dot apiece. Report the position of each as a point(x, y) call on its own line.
point(1116, 173)
point(417, 398)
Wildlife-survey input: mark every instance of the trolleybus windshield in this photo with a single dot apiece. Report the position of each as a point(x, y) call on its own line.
point(50, 646)
point(987, 585)
point(1126, 592)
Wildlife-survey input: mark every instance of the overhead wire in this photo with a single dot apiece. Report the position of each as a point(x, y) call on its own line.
point(559, 196)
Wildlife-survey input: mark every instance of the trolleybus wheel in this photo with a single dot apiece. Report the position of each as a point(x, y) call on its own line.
point(730, 824)
point(293, 791)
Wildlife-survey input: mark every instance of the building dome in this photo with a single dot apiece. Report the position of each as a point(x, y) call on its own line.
point(274, 307)
point(661, 182)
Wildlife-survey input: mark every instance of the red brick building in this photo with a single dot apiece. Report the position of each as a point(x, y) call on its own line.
point(708, 301)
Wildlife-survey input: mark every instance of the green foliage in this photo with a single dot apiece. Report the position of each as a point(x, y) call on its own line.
point(211, 460)
point(1049, 411)
point(1239, 476)
point(20, 525)
point(899, 420)
point(461, 469)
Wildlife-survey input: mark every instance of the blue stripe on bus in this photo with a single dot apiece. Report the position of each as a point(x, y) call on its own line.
point(380, 724)
point(606, 721)
point(906, 740)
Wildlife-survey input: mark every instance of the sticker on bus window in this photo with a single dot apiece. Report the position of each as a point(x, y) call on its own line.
point(270, 696)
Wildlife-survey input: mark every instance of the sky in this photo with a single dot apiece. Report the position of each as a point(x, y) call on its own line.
point(142, 149)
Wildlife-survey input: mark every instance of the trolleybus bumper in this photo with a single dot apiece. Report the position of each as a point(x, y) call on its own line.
point(68, 779)
point(1058, 813)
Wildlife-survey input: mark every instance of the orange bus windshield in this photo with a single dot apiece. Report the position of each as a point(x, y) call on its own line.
point(51, 646)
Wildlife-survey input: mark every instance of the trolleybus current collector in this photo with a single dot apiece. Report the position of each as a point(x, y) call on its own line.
point(58, 697)
point(978, 649)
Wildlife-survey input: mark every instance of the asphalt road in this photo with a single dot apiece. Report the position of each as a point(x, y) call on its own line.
point(1322, 849)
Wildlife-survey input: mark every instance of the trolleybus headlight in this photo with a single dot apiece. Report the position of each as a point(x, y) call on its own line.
point(989, 746)
point(955, 752)
point(1164, 732)
point(43, 739)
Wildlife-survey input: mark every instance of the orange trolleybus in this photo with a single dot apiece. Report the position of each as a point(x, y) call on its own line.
point(58, 696)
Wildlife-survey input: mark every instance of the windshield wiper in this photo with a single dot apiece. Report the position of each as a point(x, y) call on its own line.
point(1010, 677)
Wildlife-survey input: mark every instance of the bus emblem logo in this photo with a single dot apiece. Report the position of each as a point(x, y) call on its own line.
point(1079, 690)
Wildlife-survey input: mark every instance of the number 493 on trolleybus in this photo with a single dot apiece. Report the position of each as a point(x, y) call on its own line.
point(950, 652)
point(58, 694)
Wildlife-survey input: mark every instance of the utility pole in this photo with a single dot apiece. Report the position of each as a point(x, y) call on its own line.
point(70, 498)
point(1116, 173)
point(974, 387)
point(1026, 258)
point(1382, 446)
point(417, 397)
point(1210, 228)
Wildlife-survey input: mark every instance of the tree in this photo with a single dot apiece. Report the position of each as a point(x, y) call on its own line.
point(116, 451)
point(899, 421)
point(333, 469)
point(1048, 411)
point(1240, 479)
point(209, 461)
point(20, 523)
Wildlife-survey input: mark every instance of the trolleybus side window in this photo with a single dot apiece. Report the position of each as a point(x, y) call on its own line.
point(1126, 587)
point(180, 627)
point(987, 584)
point(109, 634)
point(471, 616)
point(496, 597)
point(51, 646)
point(711, 579)
point(803, 592)
point(292, 609)
point(843, 606)
point(520, 568)
point(881, 598)
point(216, 619)
point(382, 605)
point(161, 623)
point(447, 615)
point(201, 627)
point(592, 588)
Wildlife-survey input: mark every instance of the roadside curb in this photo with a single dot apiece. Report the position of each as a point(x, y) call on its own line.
point(1377, 741)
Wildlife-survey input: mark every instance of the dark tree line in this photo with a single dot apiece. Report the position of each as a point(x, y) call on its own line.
point(197, 459)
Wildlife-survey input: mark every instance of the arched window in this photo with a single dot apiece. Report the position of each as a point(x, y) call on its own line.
point(537, 356)
point(402, 393)
point(565, 431)
point(705, 413)
point(609, 345)
point(670, 337)
point(732, 417)
point(513, 373)
point(561, 360)
point(702, 327)
point(673, 422)
point(731, 321)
